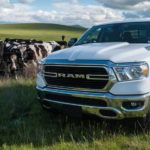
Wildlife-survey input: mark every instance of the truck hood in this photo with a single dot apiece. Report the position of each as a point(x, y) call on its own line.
point(117, 52)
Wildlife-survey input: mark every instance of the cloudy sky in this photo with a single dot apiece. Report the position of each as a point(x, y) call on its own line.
point(70, 12)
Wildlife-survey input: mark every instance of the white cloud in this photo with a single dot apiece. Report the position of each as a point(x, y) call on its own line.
point(130, 9)
point(68, 1)
point(5, 3)
point(74, 12)
point(17, 13)
point(84, 14)
point(25, 1)
point(62, 13)
point(126, 4)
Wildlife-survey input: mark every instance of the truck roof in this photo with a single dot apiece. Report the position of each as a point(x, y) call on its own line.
point(124, 21)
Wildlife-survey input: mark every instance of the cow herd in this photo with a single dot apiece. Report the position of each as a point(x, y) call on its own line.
point(21, 57)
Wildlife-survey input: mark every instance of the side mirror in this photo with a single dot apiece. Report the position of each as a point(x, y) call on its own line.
point(72, 41)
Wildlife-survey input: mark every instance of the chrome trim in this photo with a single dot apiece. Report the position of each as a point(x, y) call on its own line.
point(50, 74)
point(96, 77)
point(87, 76)
point(114, 103)
point(78, 62)
point(111, 81)
point(106, 63)
point(77, 65)
point(118, 113)
point(74, 89)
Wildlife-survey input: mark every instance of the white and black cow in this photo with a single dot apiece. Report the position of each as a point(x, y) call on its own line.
point(20, 54)
point(13, 60)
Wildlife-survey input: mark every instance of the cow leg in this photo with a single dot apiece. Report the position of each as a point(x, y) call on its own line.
point(13, 67)
point(6, 70)
point(14, 74)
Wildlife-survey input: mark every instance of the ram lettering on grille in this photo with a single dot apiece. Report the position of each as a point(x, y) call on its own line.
point(75, 76)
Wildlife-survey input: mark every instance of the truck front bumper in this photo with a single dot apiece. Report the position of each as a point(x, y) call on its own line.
point(113, 106)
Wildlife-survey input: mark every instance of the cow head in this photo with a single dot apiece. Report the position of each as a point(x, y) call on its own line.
point(13, 62)
point(11, 65)
point(29, 54)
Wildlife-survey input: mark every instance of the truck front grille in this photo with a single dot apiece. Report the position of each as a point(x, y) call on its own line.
point(82, 77)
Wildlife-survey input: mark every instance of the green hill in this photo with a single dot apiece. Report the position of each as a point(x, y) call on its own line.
point(39, 31)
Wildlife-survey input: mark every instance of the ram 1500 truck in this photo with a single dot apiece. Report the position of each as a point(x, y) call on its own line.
point(106, 72)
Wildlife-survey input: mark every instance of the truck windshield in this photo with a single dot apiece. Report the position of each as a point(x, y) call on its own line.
point(137, 32)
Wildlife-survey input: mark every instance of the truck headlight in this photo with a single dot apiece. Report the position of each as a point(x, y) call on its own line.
point(127, 72)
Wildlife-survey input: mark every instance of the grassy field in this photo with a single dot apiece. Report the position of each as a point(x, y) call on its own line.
point(46, 32)
point(25, 125)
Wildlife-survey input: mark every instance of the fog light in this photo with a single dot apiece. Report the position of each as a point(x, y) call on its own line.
point(108, 113)
point(133, 104)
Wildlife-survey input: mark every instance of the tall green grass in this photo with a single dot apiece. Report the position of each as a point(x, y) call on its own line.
point(25, 125)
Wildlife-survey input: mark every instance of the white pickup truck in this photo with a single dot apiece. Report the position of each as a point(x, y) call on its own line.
point(106, 72)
